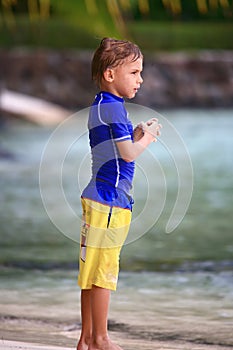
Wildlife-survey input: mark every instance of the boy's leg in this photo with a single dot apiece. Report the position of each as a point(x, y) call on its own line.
point(86, 317)
point(100, 298)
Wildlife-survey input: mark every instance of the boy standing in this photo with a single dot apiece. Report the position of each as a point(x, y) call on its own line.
point(106, 201)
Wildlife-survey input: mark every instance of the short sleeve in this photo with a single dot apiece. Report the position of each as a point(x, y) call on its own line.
point(120, 132)
point(117, 118)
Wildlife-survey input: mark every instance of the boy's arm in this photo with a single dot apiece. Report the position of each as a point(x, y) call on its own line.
point(129, 150)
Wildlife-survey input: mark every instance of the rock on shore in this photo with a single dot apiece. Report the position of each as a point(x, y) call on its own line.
point(200, 79)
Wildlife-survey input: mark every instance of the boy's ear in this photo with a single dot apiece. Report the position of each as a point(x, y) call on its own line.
point(109, 75)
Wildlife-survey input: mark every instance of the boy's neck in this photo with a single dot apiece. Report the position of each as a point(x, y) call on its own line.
point(111, 93)
point(105, 86)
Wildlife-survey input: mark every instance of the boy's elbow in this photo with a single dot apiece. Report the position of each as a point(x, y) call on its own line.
point(128, 157)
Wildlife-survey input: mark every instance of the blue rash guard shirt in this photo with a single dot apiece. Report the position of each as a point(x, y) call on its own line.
point(112, 176)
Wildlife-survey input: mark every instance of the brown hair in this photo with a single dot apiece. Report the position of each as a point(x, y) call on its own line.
point(111, 53)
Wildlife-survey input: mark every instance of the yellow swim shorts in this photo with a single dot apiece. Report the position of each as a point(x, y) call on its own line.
point(103, 232)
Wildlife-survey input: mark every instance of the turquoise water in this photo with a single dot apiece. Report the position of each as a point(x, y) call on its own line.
point(29, 290)
point(203, 240)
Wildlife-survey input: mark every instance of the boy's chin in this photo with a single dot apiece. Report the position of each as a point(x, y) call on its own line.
point(131, 95)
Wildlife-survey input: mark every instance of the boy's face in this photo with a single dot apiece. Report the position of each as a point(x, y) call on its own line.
point(125, 79)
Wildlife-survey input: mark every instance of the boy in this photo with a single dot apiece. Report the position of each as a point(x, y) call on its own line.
point(106, 201)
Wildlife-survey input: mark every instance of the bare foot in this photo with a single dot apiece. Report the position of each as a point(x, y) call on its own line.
point(104, 344)
point(83, 344)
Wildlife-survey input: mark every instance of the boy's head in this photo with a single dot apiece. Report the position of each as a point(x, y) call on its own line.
point(110, 54)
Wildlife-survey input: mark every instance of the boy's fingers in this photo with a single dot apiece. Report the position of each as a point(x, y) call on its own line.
point(150, 121)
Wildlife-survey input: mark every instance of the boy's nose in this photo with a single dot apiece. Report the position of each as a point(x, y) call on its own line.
point(140, 80)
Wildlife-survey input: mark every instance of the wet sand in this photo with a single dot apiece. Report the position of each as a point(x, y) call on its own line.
point(130, 345)
point(8, 345)
point(41, 310)
point(38, 334)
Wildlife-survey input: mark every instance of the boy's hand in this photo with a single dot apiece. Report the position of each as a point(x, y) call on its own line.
point(153, 127)
point(150, 121)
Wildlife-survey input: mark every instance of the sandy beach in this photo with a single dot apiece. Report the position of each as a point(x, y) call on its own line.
point(36, 334)
point(126, 343)
point(13, 345)
point(185, 311)
point(8, 344)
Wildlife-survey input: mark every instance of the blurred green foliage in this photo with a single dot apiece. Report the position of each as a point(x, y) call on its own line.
point(153, 24)
point(182, 36)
